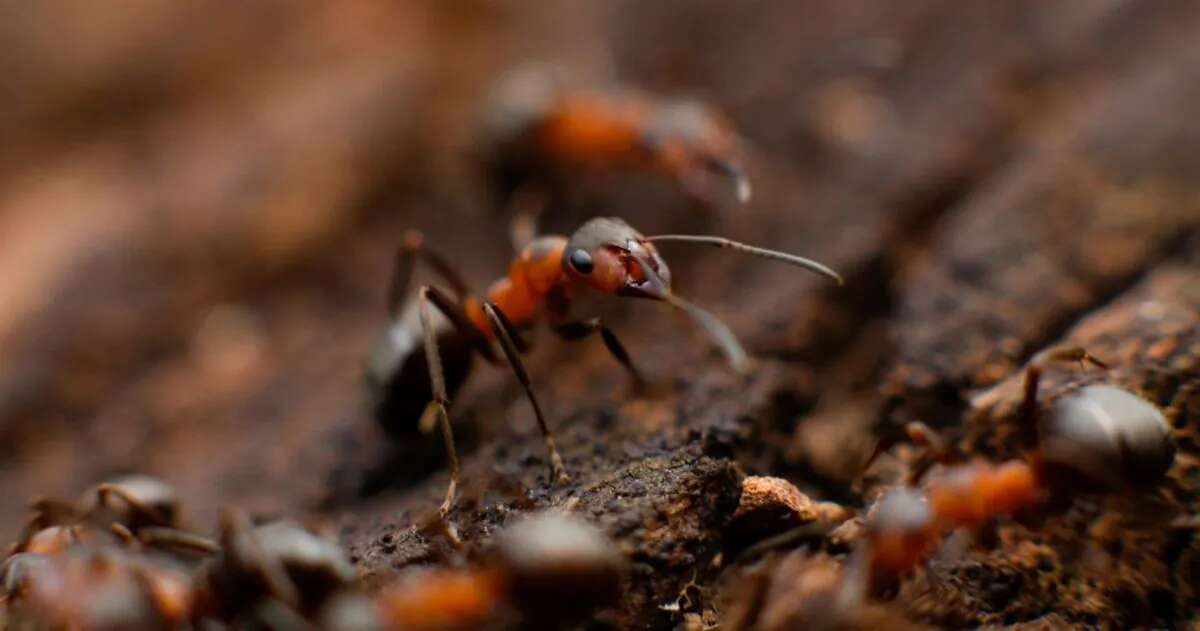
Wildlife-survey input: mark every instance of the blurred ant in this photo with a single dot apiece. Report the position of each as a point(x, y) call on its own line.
point(537, 133)
point(138, 509)
point(605, 254)
point(549, 571)
point(95, 588)
point(278, 575)
point(1099, 437)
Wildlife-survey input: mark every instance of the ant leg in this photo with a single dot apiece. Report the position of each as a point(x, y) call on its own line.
point(239, 543)
point(502, 327)
point(526, 206)
point(51, 512)
point(936, 451)
point(440, 400)
point(578, 330)
point(414, 247)
point(123, 533)
point(1177, 407)
point(104, 491)
point(178, 539)
point(1027, 413)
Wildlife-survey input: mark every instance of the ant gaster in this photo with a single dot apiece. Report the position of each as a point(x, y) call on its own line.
point(605, 255)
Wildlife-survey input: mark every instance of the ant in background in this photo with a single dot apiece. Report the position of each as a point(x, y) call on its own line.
point(537, 134)
point(548, 571)
point(137, 509)
point(605, 255)
point(94, 587)
point(98, 563)
point(1098, 438)
point(277, 575)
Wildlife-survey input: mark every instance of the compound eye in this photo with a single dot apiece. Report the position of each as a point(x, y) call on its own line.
point(581, 261)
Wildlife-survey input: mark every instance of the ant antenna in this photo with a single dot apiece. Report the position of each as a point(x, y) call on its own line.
point(714, 327)
point(722, 242)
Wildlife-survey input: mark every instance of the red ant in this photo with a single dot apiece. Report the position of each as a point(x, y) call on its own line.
point(138, 509)
point(94, 587)
point(1099, 437)
point(604, 255)
point(546, 572)
point(536, 127)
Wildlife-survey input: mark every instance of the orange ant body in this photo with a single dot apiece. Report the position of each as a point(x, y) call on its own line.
point(605, 255)
point(907, 525)
point(537, 132)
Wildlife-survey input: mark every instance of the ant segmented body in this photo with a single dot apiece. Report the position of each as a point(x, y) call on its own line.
point(605, 255)
point(537, 132)
point(1100, 437)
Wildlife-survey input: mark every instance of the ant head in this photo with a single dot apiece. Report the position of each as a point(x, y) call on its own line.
point(689, 139)
point(608, 255)
point(901, 530)
point(1109, 436)
point(901, 511)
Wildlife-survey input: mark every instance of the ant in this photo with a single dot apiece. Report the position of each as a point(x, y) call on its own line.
point(536, 131)
point(73, 553)
point(94, 587)
point(1099, 437)
point(138, 509)
point(277, 574)
point(549, 570)
point(605, 255)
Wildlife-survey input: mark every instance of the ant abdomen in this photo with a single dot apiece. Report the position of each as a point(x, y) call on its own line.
point(397, 373)
point(1108, 437)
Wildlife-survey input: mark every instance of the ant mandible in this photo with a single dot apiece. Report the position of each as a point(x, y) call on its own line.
point(605, 255)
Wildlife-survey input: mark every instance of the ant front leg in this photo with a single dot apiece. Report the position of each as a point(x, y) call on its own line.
point(150, 513)
point(1027, 414)
point(415, 247)
point(935, 450)
point(177, 539)
point(505, 333)
point(242, 549)
point(578, 330)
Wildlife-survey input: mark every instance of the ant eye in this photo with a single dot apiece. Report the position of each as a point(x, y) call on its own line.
point(581, 261)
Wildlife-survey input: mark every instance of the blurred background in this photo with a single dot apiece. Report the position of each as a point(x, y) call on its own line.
point(199, 202)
